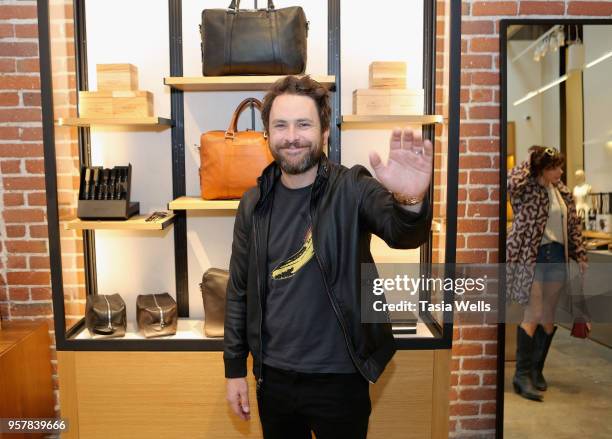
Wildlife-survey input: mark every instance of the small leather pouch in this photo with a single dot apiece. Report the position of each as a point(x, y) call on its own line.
point(213, 286)
point(156, 314)
point(105, 316)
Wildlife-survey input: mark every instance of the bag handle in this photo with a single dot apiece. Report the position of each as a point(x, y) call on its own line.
point(233, 126)
point(235, 5)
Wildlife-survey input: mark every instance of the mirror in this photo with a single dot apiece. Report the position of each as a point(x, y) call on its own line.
point(557, 140)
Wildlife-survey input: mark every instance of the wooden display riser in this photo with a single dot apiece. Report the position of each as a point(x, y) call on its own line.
point(182, 394)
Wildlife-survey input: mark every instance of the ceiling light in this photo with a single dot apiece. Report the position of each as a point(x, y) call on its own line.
point(552, 44)
point(526, 97)
point(560, 38)
point(540, 90)
point(552, 84)
point(598, 60)
point(543, 48)
point(536, 42)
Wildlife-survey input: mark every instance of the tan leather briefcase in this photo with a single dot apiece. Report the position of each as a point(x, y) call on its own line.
point(231, 160)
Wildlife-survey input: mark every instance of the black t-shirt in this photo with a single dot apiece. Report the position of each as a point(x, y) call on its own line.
point(301, 331)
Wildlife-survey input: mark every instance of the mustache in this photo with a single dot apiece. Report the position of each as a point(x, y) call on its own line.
point(295, 144)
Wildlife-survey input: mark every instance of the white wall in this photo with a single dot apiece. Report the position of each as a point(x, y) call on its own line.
point(523, 76)
point(537, 120)
point(374, 34)
point(598, 109)
point(130, 263)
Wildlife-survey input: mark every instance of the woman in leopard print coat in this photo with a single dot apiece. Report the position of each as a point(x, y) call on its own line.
point(546, 232)
point(530, 204)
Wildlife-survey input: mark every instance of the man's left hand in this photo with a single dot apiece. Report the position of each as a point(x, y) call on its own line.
point(409, 167)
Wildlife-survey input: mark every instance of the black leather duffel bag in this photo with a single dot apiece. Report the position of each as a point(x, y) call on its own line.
point(253, 42)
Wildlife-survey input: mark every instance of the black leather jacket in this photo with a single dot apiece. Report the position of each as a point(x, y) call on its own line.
point(346, 206)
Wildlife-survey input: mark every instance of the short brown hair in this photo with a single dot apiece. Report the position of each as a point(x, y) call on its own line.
point(303, 86)
point(542, 158)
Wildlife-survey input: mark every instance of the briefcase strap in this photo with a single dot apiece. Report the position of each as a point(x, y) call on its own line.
point(235, 5)
point(233, 126)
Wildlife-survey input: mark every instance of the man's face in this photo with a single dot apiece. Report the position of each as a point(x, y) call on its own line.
point(296, 140)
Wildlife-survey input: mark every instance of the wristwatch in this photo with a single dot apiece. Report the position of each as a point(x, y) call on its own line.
point(406, 201)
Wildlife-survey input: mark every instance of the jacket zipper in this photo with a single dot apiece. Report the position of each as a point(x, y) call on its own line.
point(333, 303)
point(344, 332)
point(260, 379)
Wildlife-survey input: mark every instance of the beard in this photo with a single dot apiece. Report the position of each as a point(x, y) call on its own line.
point(294, 166)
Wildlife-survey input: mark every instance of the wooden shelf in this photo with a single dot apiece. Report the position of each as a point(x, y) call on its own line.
point(596, 235)
point(427, 119)
point(197, 203)
point(127, 121)
point(233, 83)
point(137, 222)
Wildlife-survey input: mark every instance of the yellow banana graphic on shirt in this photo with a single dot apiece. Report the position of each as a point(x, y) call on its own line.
point(290, 266)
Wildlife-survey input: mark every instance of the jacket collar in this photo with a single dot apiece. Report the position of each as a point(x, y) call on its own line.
point(565, 192)
point(562, 188)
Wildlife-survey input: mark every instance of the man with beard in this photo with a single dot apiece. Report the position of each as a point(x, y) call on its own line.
point(293, 297)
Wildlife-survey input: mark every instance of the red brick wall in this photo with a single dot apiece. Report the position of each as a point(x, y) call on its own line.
point(25, 291)
point(473, 376)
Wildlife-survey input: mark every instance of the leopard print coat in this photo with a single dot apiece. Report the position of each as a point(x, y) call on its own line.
point(529, 202)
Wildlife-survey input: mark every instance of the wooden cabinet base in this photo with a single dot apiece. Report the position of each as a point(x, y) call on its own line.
point(26, 388)
point(182, 394)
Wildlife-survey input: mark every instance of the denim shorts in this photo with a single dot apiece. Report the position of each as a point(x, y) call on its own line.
point(550, 263)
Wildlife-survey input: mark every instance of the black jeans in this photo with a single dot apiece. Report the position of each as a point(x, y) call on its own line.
point(334, 406)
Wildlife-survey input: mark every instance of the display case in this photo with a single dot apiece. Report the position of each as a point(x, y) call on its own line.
point(91, 257)
point(86, 254)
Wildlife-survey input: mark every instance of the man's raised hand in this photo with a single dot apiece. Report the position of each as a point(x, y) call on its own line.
point(409, 167)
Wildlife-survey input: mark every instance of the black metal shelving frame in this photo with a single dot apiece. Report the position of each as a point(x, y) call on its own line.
point(64, 340)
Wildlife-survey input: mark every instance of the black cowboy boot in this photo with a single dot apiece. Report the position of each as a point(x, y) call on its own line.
point(524, 357)
point(541, 341)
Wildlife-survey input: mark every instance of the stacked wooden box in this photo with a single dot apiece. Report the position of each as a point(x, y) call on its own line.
point(117, 96)
point(387, 93)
